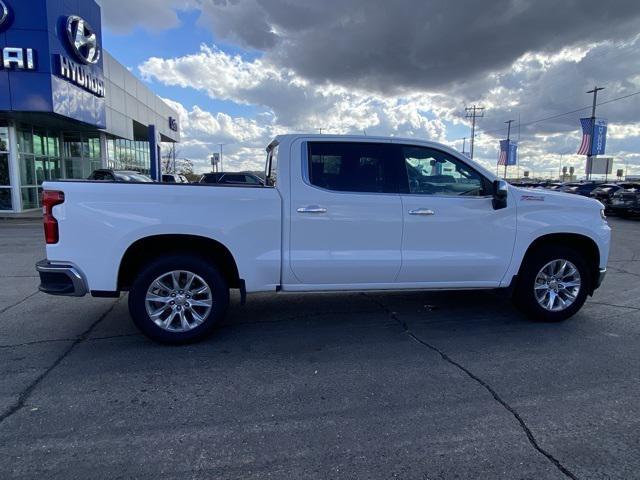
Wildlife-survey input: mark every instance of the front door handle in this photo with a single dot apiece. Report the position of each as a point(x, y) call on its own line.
point(312, 209)
point(422, 211)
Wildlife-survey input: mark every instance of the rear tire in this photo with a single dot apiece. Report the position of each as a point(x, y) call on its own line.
point(546, 290)
point(178, 299)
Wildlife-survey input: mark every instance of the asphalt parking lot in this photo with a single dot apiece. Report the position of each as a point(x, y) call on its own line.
point(399, 385)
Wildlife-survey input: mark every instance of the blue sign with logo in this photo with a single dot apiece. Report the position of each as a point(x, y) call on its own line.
point(50, 59)
point(599, 139)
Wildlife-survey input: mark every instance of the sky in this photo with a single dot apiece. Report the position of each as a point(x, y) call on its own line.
point(240, 72)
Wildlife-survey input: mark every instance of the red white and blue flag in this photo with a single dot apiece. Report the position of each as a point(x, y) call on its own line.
point(508, 153)
point(587, 135)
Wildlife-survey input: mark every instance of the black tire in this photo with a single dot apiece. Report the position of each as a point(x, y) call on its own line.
point(219, 292)
point(524, 296)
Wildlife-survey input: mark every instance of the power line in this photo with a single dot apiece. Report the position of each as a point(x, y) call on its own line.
point(553, 117)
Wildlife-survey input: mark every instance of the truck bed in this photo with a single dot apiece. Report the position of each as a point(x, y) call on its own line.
point(98, 221)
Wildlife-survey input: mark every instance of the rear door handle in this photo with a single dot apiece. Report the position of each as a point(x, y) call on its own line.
point(312, 209)
point(422, 211)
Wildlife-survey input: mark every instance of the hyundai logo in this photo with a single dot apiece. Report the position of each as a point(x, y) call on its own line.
point(4, 12)
point(83, 40)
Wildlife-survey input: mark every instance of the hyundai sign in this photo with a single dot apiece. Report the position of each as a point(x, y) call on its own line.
point(57, 66)
point(599, 141)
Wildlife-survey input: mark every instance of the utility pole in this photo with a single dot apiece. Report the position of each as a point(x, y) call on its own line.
point(473, 112)
point(221, 169)
point(508, 122)
point(464, 145)
point(595, 91)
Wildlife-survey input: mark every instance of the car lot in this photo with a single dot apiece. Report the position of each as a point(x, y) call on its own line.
point(396, 385)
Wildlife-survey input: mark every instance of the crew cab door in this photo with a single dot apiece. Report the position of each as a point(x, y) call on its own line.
point(346, 214)
point(453, 237)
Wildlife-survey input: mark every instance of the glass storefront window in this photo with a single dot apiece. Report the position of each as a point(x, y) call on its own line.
point(72, 146)
point(40, 143)
point(5, 180)
point(4, 139)
point(25, 141)
point(30, 198)
point(27, 170)
point(5, 199)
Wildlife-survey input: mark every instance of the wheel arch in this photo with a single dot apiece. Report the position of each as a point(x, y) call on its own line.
point(146, 249)
point(582, 243)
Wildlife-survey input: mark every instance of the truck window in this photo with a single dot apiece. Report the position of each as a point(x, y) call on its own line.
point(352, 167)
point(433, 172)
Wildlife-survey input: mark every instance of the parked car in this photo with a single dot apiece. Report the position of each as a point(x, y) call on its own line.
point(239, 178)
point(578, 188)
point(626, 201)
point(174, 178)
point(335, 213)
point(106, 175)
point(605, 192)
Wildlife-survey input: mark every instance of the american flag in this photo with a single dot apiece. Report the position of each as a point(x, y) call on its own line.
point(504, 152)
point(587, 133)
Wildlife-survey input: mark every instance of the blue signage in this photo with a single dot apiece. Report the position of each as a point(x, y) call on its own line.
point(599, 139)
point(50, 59)
point(508, 153)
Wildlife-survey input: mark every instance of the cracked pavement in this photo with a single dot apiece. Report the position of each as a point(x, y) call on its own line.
point(398, 385)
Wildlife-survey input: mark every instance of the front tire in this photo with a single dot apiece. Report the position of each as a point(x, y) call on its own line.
point(178, 299)
point(553, 284)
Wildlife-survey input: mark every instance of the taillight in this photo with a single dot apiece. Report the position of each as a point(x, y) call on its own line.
point(50, 199)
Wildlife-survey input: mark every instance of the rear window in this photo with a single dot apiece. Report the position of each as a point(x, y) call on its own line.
point(352, 167)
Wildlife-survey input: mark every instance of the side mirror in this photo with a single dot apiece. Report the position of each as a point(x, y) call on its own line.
point(500, 194)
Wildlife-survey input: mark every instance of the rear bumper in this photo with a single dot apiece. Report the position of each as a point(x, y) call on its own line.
point(61, 279)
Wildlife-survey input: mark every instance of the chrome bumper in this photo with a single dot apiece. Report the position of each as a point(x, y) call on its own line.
point(61, 279)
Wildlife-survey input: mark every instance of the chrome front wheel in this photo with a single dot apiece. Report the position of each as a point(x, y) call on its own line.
point(179, 301)
point(557, 285)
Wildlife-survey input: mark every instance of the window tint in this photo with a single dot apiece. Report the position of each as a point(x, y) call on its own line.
point(352, 167)
point(432, 172)
point(250, 179)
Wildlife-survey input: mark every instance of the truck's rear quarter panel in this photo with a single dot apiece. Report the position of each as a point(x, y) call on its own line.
point(99, 221)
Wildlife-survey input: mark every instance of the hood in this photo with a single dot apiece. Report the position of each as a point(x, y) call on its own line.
point(529, 196)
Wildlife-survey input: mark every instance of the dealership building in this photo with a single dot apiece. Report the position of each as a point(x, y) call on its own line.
point(67, 107)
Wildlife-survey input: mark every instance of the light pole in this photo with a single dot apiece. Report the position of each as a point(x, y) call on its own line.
point(595, 91)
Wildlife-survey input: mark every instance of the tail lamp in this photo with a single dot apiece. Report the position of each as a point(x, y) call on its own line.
point(50, 199)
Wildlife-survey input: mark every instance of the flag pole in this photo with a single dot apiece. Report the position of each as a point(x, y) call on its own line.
point(595, 91)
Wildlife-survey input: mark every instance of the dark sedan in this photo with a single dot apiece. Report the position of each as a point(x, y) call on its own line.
point(626, 202)
point(107, 175)
point(229, 178)
point(604, 193)
point(579, 188)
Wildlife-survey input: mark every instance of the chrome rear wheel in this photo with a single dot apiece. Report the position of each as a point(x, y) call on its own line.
point(178, 301)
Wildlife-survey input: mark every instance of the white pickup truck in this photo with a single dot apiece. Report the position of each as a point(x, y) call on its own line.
point(336, 213)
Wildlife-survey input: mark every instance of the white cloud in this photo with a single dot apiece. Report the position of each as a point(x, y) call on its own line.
point(535, 86)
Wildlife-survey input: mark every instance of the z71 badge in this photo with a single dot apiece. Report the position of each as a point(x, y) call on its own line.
point(532, 198)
